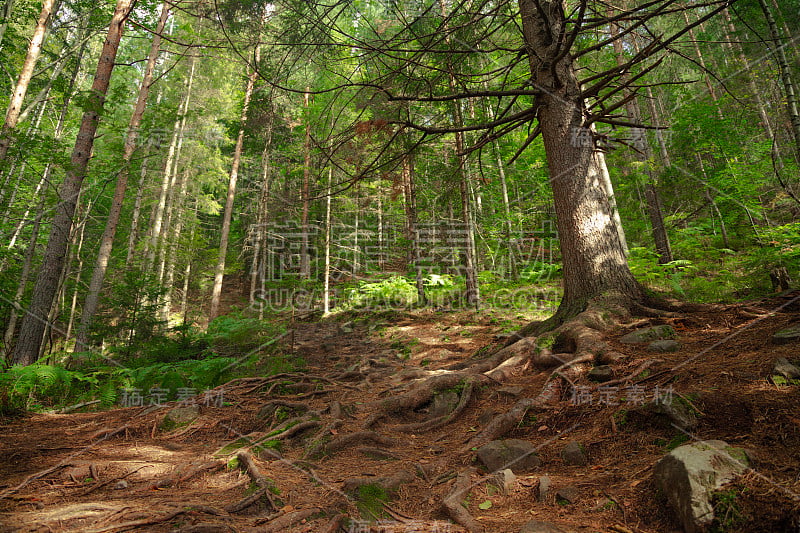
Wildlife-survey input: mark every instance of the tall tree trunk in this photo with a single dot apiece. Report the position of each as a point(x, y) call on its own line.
point(5, 15)
point(593, 257)
point(262, 217)
point(470, 267)
point(137, 211)
point(24, 276)
point(24, 79)
point(107, 240)
point(305, 263)
point(412, 234)
point(326, 296)
point(26, 350)
point(779, 54)
point(226, 216)
point(644, 154)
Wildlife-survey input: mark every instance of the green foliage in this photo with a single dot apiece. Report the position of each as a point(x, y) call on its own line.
point(393, 292)
point(370, 500)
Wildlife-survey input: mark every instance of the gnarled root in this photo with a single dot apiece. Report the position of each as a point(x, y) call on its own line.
point(452, 502)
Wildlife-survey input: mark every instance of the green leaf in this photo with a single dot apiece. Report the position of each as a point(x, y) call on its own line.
point(485, 505)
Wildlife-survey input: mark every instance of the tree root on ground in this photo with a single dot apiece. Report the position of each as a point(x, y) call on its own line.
point(453, 502)
point(351, 439)
point(438, 422)
point(285, 521)
point(502, 424)
point(248, 464)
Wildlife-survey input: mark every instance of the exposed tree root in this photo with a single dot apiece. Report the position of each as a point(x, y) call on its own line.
point(136, 524)
point(453, 502)
point(351, 439)
point(285, 521)
point(319, 439)
point(388, 483)
point(334, 524)
point(180, 477)
point(248, 464)
point(502, 424)
point(421, 392)
point(438, 422)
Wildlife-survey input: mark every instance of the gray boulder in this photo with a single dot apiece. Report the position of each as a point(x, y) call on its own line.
point(544, 488)
point(601, 373)
point(573, 454)
point(518, 455)
point(787, 335)
point(786, 369)
point(650, 334)
point(689, 475)
point(182, 415)
point(664, 346)
point(568, 494)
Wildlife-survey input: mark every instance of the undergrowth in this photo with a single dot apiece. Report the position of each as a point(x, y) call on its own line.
point(173, 365)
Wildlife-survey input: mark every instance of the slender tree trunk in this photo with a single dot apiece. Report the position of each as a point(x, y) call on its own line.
point(172, 245)
point(24, 276)
point(259, 244)
point(644, 155)
point(33, 324)
point(107, 240)
point(326, 296)
point(470, 267)
point(24, 79)
point(5, 14)
point(137, 212)
point(593, 257)
point(779, 54)
point(226, 216)
point(412, 234)
point(305, 263)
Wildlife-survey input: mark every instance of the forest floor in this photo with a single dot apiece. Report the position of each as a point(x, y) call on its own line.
point(125, 469)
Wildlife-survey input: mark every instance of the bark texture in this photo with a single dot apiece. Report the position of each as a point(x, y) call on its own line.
point(26, 350)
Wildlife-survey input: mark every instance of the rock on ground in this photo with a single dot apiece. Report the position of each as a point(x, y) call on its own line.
point(516, 454)
point(689, 475)
point(650, 334)
point(787, 335)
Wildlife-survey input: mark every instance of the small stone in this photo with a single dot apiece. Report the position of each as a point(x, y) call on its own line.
point(601, 373)
point(505, 480)
point(786, 369)
point(787, 335)
point(487, 416)
point(573, 454)
point(537, 526)
point(443, 404)
point(511, 391)
point(568, 494)
point(649, 334)
point(544, 488)
point(518, 455)
point(664, 346)
point(121, 485)
point(182, 415)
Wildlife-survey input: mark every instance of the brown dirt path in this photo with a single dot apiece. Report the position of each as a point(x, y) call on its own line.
point(117, 471)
